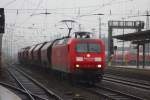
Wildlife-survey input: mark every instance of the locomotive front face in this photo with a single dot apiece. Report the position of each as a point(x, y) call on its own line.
point(87, 59)
point(88, 55)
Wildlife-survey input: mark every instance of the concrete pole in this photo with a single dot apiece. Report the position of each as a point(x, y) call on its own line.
point(99, 27)
point(110, 45)
point(143, 55)
point(1, 50)
point(123, 46)
point(138, 55)
point(123, 42)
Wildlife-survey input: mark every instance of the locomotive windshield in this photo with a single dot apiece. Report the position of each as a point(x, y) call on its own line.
point(88, 48)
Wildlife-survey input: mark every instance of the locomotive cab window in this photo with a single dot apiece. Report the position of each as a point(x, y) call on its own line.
point(88, 48)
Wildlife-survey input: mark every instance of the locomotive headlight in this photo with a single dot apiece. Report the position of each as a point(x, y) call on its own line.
point(98, 59)
point(88, 55)
point(99, 66)
point(77, 66)
point(79, 58)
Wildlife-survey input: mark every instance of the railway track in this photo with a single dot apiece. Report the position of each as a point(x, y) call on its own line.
point(110, 94)
point(113, 94)
point(74, 95)
point(21, 93)
point(137, 84)
point(28, 88)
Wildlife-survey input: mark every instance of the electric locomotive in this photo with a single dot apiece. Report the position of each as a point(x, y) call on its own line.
point(82, 58)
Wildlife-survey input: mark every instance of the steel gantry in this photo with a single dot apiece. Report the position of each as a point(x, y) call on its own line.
point(138, 25)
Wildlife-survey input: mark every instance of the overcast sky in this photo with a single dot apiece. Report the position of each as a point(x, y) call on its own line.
point(25, 24)
point(72, 9)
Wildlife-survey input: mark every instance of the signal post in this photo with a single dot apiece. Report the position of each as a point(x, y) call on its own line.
point(2, 27)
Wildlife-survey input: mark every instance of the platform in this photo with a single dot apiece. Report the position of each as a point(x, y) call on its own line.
point(6, 94)
point(130, 71)
point(131, 66)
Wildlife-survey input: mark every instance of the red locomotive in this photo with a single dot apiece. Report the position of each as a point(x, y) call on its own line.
point(78, 58)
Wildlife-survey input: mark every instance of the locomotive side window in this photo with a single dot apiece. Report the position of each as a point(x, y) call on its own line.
point(88, 48)
point(65, 41)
